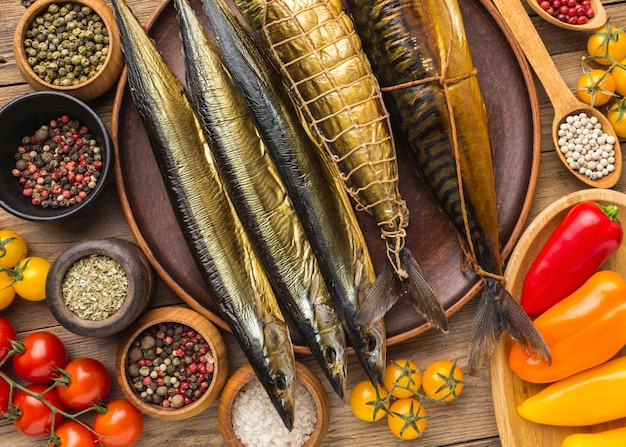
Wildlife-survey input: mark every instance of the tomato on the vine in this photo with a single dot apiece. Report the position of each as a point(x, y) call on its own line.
point(30, 278)
point(7, 291)
point(7, 333)
point(616, 114)
point(402, 378)
point(13, 247)
point(74, 434)
point(120, 426)
point(607, 45)
point(5, 391)
point(367, 402)
point(619, 74)
point(35, 418)
point(595, 87)
point(89, 383)
point(443, 380)
point(407, 418)
point(44, 353)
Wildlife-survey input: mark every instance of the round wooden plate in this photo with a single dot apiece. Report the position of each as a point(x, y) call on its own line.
point(509, 390)
point(510, 97)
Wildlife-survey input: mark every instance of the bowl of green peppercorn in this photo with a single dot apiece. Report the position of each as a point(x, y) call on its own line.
point(56, 156)
point(69, 46)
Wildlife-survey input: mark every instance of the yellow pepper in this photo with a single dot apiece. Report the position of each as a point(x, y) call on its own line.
point(583, 330)
point(609, 438)
point(590, 397)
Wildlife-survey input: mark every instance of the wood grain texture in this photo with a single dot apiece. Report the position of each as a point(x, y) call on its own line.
point(469, 422)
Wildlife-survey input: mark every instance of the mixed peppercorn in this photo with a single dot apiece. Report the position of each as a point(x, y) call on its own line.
point(170, 365)
point(59, 165)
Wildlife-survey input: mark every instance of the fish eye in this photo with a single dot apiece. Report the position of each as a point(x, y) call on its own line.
point(279, 381)
point(330, 355)
point(371, 344)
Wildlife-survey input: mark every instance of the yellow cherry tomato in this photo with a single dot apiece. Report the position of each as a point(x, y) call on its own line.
point(596, 87)
point(30, 278)
point(619, 74)
point(407, 418)
point(13, 247)
point(616, 114)
point(443, 380)
point(403, 378)
point(607, 44)
point(7, 291)
point(369, 403)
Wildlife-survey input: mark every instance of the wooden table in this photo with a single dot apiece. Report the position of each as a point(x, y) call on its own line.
point(468, 422)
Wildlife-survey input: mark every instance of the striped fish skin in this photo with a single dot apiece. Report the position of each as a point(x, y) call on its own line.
point(321, 62)
point(260, 198)
point(406, 41)
point(317, 194)
point(214, 233)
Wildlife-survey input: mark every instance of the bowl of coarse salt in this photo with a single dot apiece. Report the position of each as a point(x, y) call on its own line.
point(247, 418)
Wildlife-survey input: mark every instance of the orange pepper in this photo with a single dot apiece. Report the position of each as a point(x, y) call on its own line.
point(583, 330)
point(609, 438)
point(587, 398)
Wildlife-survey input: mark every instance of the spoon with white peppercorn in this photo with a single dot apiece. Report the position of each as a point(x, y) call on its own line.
point(567, 108)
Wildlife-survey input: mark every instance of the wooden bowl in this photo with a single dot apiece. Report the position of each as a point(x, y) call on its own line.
point(201, 325)
point(102, 81)
point(597, 21)
point(139, 275)
point(508, 389)
point(22, 117)
point(244, 375)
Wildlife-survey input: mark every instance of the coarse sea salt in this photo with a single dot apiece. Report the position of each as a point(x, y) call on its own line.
point(257, 424)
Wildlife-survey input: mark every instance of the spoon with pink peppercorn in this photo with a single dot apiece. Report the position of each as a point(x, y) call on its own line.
point(575, 15)
point(603, 147)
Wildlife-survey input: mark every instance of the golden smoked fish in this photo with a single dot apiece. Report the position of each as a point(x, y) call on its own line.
point(213, 231)
point(260, 198)
point(321, 62)
point(318, 196)
point(419, 52)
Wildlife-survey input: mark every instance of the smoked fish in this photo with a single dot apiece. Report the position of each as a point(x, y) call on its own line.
point(214, 233)
point(317, 194)
point(260, 198)
point(314, 45)
point(419, 52)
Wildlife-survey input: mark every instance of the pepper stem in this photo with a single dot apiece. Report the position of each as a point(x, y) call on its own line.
point(610, 211)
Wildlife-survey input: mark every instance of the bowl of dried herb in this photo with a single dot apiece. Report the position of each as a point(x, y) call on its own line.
point(98, 287)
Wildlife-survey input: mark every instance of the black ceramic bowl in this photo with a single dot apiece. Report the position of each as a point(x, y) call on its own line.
point(22, 117)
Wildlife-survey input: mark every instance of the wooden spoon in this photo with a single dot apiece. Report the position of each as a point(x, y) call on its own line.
point(597, 21)
point(562, 99)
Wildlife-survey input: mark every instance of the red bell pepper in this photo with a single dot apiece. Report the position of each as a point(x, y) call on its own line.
point(588, 235)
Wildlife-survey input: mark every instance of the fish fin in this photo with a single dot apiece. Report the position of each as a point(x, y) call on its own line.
point(421, 294)
point(498, 312)
point(383, 294)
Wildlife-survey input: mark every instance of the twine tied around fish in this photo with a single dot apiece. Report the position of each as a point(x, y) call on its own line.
point(468, 251)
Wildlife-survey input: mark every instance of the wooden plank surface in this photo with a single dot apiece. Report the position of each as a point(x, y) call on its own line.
point(467, 422)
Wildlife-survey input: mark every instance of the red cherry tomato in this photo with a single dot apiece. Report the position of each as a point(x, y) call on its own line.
point(89, 383)
point(35, 417)
point(5, 390)
point(74, 434)
point(7, 333)
point(120, 426)
point(43, 354)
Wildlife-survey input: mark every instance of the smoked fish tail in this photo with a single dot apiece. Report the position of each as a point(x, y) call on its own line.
point(320, 59)
point(260, 198)
point(213, 232)
point(318, 195)
point(499, 313)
